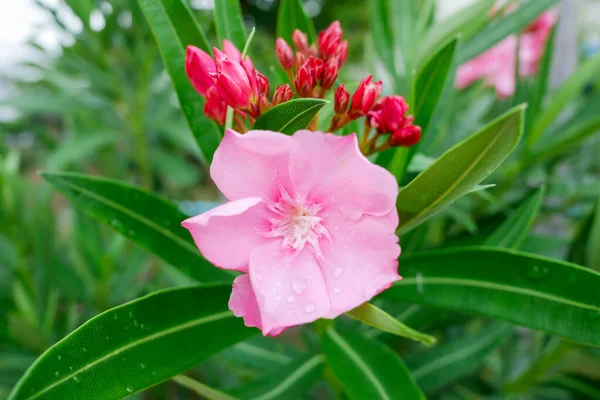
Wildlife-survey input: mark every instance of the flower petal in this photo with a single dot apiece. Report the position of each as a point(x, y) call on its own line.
point(360, 261)
point(330, 170)
point(252, 164)
point(289, 290)
point(227, 234)
point(243, 302)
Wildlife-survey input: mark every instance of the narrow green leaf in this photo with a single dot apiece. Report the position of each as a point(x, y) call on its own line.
point(367, 368)
point(79, 148)
point(290, 382)
point(229, 22)
point(291, 16)
point(376, 317)
point(290, 116)
point(459, 169)
point(174, 28)
point(447, 362)
point(537, 292)
point(570, 89)
point(135, 346)
point(514, 230)
point(201, 389)
point(509, 24)
point(402, 20)
point(593, 244)
point(143, 217)
point(382, 34)
point(457, 23)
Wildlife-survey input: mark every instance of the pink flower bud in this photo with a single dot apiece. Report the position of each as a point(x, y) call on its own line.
point(215, 108)
point(284, 53)
point(388, 114)
point(198, 65)
point(300, 59)
point(316, 68)
point(330, 73)
point(231, 51)
point(341, 99)
point(233, 84)
point(364, 97)
point(219, 57)
point(282, 94)
point(263, 84)
point(300, 41)
point(304, 81)
point(406, 137)
point(341, 53)
point(329, 39)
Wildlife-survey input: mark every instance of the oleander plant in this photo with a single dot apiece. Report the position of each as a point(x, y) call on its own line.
point(221, 201)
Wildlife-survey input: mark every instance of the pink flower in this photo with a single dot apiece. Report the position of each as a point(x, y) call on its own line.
point(310, 222)
point(497, 65)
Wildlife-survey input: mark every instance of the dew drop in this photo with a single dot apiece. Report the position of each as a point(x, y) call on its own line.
point(115, 316)
point(84, 350)
point(70, 368)
point(309, 308)
point(142, 326)
point(107, 338)
point(298, 286)
point(59, 358)
point(75, 378)
point(536, 272)
point(56, 374)
point(135, 323)
point(143, 366)
point(338, 272)
point(129, 389)
point(337, 290)
point(130, 314)
point(278, 298)
point(291, 299)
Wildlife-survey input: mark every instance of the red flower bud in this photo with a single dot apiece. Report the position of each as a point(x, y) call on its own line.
point(341, 53)
point(364, 97)
point(263, 84)
point(329, 39)
point(304, 81)
point(300, 41)
point(231, 51)
point(282, 94)
point(198, 66)
point(330, 73)
point(388, 114)
point(406, 137)
point(300, 59)
point(233, 83)
point(341, 99)
point(284, 53)
point(215, 108)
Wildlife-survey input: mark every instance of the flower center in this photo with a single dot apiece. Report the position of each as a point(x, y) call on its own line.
point(297, 223)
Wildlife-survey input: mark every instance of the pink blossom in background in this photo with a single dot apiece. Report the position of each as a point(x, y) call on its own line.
point(497, 65)
point(310, 223)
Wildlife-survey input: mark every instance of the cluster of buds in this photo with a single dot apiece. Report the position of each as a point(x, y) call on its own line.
point(228, 80)
point(314, 68)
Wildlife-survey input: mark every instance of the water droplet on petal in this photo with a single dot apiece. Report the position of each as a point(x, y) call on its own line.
point(338, 272)
point(309, 308)
point(291, 299)
point(298, 286)
point(278, 298)
point(337, 290)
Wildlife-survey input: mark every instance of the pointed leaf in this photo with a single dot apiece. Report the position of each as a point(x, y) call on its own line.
point(149, 220)
point(450, 361)
point(376, 317)
point(291, 116)
point(229, 22)
point(536, 292)
point(174, 28)
point(291, 16)
point(382, 34)
point(458, 170)
point(514, 230)
point(593, 248)
point(367, 368)
point(134, 346)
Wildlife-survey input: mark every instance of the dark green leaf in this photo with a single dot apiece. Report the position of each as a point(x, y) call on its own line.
point(230, 22)
point(450, 361)
point(291, 17)
point(537, 292)
point(151, 221)
point(593, 244)
point(367, 368)
point(291, 116)
point(514, 230)
point(290, 382)
point(135, 346)
point(458, 170)
point(174, 28)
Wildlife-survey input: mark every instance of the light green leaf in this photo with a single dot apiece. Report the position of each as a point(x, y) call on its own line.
point(201, 389)
point(402, 21)
point(459, 169)
point(291, 116)
point(78, 149)
point(457, 23)
point(135, 346)
point(174, 28)
point(149, 220)
point(290, 382)
point(536, 292)
point(291, 16)
point(514, 229)
point(229, 22)
point(447, 362)
point(376, 317)
point(367, 368)
point(569, 90)
point(382, 34)
point(510, 23)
